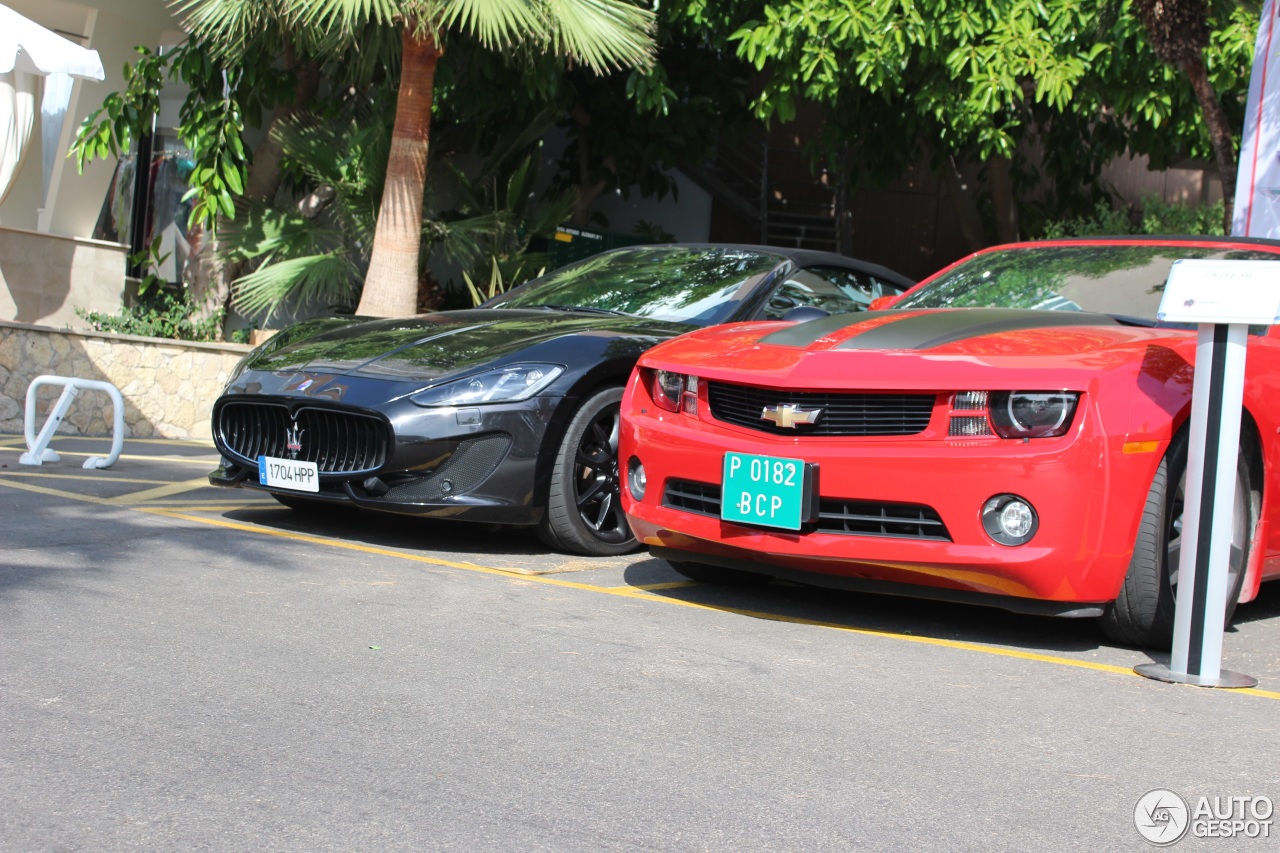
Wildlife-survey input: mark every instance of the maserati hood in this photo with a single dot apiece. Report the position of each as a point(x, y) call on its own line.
point(429, 346)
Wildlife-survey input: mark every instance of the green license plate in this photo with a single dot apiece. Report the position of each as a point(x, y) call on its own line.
point(768, 490)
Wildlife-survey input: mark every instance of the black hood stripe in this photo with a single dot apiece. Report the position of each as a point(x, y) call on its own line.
point(931, 329)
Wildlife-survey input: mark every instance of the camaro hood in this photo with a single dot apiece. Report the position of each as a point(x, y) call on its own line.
point(902, 348)
point(433, 345)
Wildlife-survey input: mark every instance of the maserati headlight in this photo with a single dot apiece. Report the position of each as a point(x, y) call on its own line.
point(499, 385)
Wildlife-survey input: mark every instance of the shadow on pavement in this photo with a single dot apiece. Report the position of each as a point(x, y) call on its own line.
point(884, 613)
point(384, 530)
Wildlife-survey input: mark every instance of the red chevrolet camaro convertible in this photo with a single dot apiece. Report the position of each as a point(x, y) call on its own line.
point(1012, 432)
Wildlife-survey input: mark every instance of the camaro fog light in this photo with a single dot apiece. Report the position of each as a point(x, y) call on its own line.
point(637, 482)
point(1009, 519)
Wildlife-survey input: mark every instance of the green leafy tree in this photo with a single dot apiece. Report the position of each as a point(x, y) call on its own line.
point(312, 246)
point(279, 76)
point(980, 82)
point(1178, 32)
point(599, 34)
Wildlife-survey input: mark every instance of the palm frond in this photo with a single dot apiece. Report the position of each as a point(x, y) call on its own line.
point(317, 279)
point(264, 234)
point(543, 221)
point(229, 27)
point(465, 241)
point(497, 23)
point(602, 34)
point(345, 16)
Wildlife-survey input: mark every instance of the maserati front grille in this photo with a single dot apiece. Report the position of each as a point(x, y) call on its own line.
point(338, 441)
point(837, 413)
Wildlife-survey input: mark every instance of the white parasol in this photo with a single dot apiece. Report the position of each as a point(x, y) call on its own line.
point(29, 51)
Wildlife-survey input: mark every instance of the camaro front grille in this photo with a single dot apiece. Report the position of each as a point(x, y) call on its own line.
point(835, 515)
point(339, 442)
point(835, 413)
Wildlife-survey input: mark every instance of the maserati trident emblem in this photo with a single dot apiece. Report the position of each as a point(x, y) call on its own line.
point(788, 415)
point(293, 440)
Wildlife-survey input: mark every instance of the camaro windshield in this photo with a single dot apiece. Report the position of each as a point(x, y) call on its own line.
point(680, 284)
point(1121, 280)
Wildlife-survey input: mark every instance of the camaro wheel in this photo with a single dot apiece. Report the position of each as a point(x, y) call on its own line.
point(584, 507)
point(719, 575)
point(1142, 615)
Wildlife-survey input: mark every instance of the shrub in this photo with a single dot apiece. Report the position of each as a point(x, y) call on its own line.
point(161, 312)
point(1153, 216)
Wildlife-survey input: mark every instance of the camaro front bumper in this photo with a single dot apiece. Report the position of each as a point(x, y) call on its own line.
point(1087, 492)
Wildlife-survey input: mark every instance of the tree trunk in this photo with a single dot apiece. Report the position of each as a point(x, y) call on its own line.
point(391, 285)
point(588, 190)
point(1215, 119)
point(209, 277)
point(1006, 209)
point(966, 211)
point(263, 177)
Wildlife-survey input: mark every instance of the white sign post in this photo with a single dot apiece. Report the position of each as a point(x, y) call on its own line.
point(1223, 298)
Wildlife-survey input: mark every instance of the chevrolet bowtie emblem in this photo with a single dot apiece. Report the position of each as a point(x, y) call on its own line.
point(789, 414)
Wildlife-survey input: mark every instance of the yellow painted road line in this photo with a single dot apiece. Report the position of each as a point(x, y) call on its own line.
point(658, 587)
point(159, 492)
point(63, 439)
point(210, 461)
point(58, 493)
point(85, 476)
point(644, 594)
point(210, 506)
point(636, 593)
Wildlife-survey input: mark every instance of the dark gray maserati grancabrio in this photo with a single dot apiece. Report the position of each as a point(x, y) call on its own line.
point(506, 413)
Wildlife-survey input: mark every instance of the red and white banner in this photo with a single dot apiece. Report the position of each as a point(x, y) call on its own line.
point(1257, 210)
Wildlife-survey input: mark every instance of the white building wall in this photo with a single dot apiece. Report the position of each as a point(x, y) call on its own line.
point(113, 28)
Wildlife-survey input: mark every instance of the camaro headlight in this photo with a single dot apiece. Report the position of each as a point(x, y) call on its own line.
point(1032, 414)
point(675, 392)
point(499, 385)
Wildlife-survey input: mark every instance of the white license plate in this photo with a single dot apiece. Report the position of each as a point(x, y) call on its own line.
point(292, 474)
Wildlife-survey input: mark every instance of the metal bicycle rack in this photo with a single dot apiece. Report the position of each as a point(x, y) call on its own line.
point(38, 451)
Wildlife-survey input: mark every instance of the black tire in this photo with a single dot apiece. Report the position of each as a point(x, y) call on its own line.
point(719, 575)
point(584, 505)
point(1143, 613)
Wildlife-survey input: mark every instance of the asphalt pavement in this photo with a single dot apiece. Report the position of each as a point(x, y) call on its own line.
point(190, 668)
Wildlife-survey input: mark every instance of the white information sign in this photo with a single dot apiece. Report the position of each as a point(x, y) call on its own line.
point(1222, 292)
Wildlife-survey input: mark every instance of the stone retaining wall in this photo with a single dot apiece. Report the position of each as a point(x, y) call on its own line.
point(168, 386)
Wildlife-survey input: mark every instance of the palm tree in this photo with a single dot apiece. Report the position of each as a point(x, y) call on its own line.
point(313, 248)
point(599, 34)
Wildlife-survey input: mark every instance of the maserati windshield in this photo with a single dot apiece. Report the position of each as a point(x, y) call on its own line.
point(700, 286)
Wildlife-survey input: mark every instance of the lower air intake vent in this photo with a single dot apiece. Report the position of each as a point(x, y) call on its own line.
point(835, 515)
